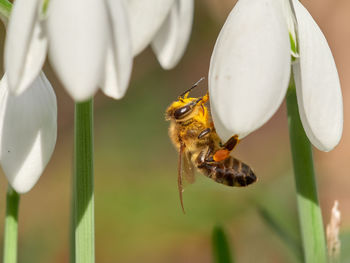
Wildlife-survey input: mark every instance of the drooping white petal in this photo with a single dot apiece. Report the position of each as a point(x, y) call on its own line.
point(146, 17)
point(171, 40)
point(317, 82)
point(249, 68)
point(78, 41)
point(119, 56)
point(25, 45)
point(28, 130)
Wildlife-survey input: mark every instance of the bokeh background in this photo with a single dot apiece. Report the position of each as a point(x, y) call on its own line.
point(138, 216)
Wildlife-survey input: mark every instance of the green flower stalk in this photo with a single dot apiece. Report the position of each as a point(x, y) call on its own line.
point(83, 193)
point(11, 226)
point(310, 217)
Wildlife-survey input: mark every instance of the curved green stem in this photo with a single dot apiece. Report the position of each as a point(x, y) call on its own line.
point(84, 183)
point(11, 226)
point(310, 218)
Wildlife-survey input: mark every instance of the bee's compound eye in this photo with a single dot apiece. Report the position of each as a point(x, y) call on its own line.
point(182, 112)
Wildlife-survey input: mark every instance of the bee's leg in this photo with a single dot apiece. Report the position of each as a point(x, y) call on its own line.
point(207, 155)
point(223, 153)
point(204, 156)
point(205, 98)
point(231, 143)
point(204, 132)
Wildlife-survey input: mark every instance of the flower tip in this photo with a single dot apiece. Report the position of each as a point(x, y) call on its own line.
point(80, 94)
point(22, 188)
point(326, 147)
point(324, 138)
point(77, 97)
point(172, 38)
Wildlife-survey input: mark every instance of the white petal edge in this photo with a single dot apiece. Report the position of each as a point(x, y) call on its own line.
point(249, 68)
point(146, 17)
point(78, 41)
point(25, 45)
point(318, 87)
point(119, 57)
point(172, 38)
point(28, 131)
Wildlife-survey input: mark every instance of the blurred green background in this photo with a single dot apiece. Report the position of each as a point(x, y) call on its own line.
point(138, 215)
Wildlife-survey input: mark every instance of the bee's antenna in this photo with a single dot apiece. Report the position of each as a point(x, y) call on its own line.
point(193, 86)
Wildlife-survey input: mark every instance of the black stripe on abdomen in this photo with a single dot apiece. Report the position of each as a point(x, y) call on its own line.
point(231, 172)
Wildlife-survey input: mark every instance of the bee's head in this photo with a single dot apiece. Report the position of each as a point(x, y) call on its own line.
point(181, 109)
point(185, 108)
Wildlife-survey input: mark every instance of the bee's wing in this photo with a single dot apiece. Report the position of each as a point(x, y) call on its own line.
point(188, 168)
point(185, 170)
point(179, 175)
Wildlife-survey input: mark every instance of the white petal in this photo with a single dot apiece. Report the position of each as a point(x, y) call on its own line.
point(119, 56)
point(78, 42)
point(249, 68)
point(317, 82)
point(146, 17)
point(28, 130)
point(171, 40)
point(25, 45)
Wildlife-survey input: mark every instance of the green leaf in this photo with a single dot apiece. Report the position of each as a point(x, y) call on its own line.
point(221, 246)
point(345, 247)
point(273, 222)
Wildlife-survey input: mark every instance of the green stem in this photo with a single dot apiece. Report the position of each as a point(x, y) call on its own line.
point(83, 183)
point(5, 10)
point(72, 225)
point(11, 226)
point(310, 217)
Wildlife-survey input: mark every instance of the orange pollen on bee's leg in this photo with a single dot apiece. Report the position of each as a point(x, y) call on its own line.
point(221, 155)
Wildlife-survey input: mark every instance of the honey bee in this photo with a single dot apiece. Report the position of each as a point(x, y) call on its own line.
point(193, 134)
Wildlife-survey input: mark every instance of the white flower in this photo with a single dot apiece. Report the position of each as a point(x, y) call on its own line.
point(88, 42)
point(28, 131)
point(166, 24)
point(250, 69)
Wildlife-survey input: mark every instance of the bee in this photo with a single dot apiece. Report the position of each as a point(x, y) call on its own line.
point(193, 134)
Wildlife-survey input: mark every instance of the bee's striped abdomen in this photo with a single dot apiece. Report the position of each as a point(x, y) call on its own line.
point(231, 172)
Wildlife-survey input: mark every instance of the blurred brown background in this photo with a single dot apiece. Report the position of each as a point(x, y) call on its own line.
point(138, 216)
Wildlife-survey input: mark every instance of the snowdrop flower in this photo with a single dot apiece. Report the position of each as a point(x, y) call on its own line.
point(250, 70)
point(88, 43)
point(166, 24)
point(28, 131)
